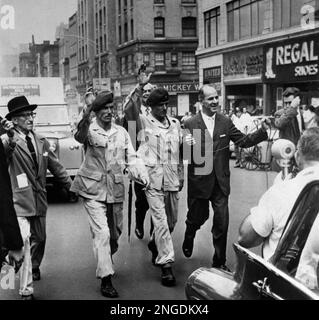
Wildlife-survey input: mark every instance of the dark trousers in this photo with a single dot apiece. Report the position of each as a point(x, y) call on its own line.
point(37, 240)
point(198, 213)
point(141, 205)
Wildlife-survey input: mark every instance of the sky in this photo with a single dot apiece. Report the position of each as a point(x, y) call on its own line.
point(38, 17)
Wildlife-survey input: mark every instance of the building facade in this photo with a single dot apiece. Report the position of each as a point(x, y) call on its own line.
point(73, 51)
point(251, 50)
point(162, 34)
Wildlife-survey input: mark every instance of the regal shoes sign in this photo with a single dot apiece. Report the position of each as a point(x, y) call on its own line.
point(292, 60)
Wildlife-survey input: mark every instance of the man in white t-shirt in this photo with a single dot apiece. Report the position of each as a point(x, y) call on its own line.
point(265, 223)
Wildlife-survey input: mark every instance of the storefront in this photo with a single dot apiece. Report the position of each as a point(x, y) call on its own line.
point(182, 97)
point(292, 63)
point(242, 71)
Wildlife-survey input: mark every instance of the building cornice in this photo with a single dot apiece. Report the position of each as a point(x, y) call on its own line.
point(255, 42)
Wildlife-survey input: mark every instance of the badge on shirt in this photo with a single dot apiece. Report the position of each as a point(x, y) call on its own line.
point(22, 180)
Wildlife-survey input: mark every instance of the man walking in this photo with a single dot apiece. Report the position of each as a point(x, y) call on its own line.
point(137, 101)
point(209, 134)
point(29, 156)
point(100, 183)
point(160, 139)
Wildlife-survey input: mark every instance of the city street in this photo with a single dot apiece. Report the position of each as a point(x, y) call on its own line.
point(68, 269)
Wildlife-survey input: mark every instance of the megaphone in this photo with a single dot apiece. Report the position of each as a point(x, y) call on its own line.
point(283, 151)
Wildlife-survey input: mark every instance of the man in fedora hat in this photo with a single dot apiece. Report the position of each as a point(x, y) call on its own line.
point(29, 156)
point(108, 152)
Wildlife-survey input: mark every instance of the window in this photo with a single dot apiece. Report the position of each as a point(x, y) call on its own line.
point(188, 1)
point(245, 18)
point(211, 25)
point(119, 6)
point(188, 27)
point(159, 61)
point(188, 61)
point(130, 64)
point(159, 27)
point(132, 29)
point(125, 32)
point(120, 34)
point(146, 59)
point(158, 1)
point(287, 13)
point(174, 59)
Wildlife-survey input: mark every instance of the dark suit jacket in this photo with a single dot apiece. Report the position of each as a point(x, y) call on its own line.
point(209, 159)
point(9, 229)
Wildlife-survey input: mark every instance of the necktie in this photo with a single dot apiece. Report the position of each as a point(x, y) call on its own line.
point(303, 127)
point(32, 150)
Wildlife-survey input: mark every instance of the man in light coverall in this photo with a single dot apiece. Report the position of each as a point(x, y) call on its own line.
point(99, 181)
point(160, 139)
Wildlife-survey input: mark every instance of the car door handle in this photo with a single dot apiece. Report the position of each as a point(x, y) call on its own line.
point(264, 288)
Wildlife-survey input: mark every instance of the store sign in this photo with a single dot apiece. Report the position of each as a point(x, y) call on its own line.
point(180, 87)
point(13, 90)
point(243, 63)
point(212, 75)
point(292, 60)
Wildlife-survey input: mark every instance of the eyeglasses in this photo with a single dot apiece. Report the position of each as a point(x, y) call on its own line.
point(27, 115)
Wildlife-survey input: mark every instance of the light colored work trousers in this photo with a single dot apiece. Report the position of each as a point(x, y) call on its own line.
point(163, 208)
point(106, 225)
point(26, 282)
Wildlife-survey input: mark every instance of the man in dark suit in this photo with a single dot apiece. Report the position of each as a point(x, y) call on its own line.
point(207, 149)
point(10, 237)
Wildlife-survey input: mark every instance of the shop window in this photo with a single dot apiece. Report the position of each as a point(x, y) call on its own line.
point(159, 61)
point(189, 27)
point(245, 18)
point(188, 61)
point(287, 13)
point(159, 27)
point(211, 27)
point(120, 34)
point(146, 59)
point(132, 29)
point(174, 61)
point(125, 32)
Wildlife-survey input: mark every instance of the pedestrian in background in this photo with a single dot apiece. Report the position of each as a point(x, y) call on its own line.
point(209, 135)
point(29, 157)
point(100, 183)
point(136, 102)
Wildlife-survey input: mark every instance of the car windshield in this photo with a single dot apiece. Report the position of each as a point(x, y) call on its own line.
point(51, 115)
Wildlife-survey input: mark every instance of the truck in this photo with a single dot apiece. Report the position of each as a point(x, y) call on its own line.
point(52, 117)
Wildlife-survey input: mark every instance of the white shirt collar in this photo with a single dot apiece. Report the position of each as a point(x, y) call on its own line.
point(208, 117)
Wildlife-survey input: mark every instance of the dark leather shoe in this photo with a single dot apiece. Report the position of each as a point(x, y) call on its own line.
point(221, 266)
point(188, 245)
point(107, 288)
point(152, 247)
point(168, 279)
point(36, 274)
point(139, 232)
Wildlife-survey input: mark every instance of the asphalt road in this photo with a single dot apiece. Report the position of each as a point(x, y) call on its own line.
point(68, 269)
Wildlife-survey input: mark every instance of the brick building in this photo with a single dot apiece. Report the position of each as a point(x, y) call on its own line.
point(253, 49)
point(163, 35)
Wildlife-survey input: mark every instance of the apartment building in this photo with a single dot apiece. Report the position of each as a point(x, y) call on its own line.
point(163, 35)
point(251, 50)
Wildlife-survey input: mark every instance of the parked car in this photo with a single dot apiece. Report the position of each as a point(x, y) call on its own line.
point(255, 278)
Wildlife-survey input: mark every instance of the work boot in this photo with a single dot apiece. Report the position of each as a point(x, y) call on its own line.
point(152, 247)
point(107, 288)
point(168, 279)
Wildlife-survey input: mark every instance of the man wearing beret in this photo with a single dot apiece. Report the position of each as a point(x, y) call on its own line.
point(136, 101)
point(29, 157)
point(160, 139)
point(109, 152)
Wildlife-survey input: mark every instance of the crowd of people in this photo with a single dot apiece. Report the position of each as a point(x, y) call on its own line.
point(150, 147)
